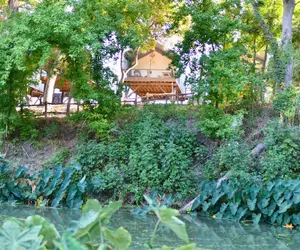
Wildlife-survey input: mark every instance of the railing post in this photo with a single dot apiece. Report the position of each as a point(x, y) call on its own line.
point(46, 109)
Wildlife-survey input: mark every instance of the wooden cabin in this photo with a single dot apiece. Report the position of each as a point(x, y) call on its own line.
point(152, 77)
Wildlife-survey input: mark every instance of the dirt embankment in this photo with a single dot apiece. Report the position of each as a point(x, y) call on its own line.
point(56, 141)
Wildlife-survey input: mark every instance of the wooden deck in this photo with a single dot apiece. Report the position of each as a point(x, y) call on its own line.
point(153, 87)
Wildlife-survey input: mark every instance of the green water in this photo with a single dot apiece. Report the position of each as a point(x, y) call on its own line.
point(207, 233)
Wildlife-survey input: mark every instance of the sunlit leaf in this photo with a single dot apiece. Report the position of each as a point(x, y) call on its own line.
point(120, 238)
point(168, 217)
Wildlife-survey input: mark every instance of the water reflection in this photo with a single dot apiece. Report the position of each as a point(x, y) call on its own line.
point(206, 232)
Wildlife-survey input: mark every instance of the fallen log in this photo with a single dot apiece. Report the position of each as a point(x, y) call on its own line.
point(257, 150)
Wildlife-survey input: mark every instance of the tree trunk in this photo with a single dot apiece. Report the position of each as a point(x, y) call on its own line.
point(69, 100)
point(265, 60)
point(13, 5)
point(124, 72)
point(288, 11)
point(273, 46)
point(49, 88)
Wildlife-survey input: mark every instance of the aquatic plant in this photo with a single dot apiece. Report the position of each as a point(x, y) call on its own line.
point(54, 187)
point(89, 232)
point(277, 202)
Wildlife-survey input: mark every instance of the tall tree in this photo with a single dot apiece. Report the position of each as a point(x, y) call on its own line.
point(286, 38)
point(13, 5)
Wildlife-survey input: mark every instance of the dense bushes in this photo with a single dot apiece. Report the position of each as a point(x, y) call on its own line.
point(282, 159)
point(216, 124)
point(151, 151)
point(231, 159)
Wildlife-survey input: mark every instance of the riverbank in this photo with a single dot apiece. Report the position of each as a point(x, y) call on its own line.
point(169, 149)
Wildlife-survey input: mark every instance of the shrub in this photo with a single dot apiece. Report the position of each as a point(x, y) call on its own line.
point(287, 103)
point(232, 158)
point(282, 152)
point(216, 124)
point(110, 180)
point(60, 157)
point(149, 152)
point(24, 126)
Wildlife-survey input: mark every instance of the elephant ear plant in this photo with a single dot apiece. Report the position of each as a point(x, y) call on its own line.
point(90, 232)
point(276, 203)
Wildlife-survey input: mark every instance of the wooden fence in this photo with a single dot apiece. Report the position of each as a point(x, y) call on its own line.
point(54, 109)
point(62, 109)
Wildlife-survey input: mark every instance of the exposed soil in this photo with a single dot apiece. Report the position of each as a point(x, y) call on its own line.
point(55, 134)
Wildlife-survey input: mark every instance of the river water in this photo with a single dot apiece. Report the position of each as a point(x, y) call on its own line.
point(208, 233)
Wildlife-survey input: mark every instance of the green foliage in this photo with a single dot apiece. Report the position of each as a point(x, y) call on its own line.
point(89, 232)
point(214, 123)
point(154, 150)
point(232, 158)
point(60, 157)
point(51, 131)
point(282, 154)
point(277, 202)
point(217, 58)
point(53, 186)
point(110, 180)
point(287, 103)
point(14, 237)
point(23, 126)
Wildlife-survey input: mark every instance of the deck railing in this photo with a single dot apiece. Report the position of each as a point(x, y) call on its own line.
point(162, 99)
point(150, 73)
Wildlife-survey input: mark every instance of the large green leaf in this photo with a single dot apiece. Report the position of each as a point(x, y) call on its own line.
point(82, 184)
point(13, 238)
point(285, 206)
point(270, 186)
point(223, 208)
point(67, 242)
point(205, 206)
point(241, 213)
point(233, 207)
point(279, 219)
point(230, 191)
point(85, 224)
point(216, 197)
point(109, 210)
point(168, 217)
point(254, 191)
point(48, 230)
point(296, 198)
point(92, 204)
point(120, 238)
point(279, 201)
point(196, 203)
point(271, 208)
point(265, 202)
point(296, 219)
point(71, 192)
point(191, 246)
point(256, 218)
point(251, 204)
point(274, 217)
point(286, 219)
